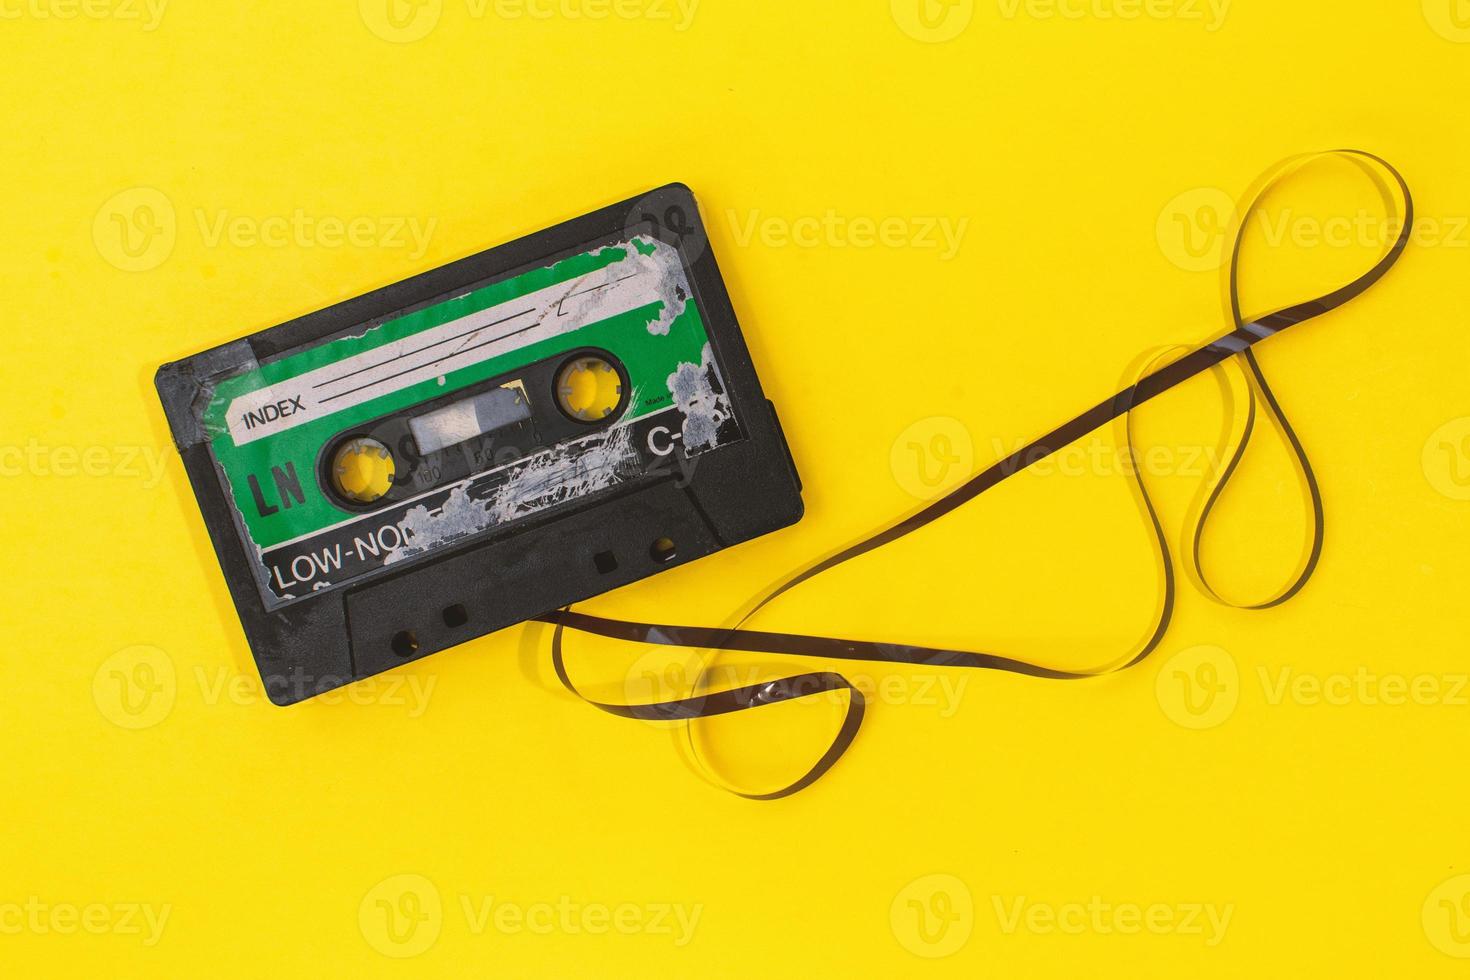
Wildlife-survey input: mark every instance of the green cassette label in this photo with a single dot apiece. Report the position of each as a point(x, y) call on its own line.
point(268, 428)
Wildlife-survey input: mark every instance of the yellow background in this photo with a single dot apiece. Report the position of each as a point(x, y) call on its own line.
point(1074, 145)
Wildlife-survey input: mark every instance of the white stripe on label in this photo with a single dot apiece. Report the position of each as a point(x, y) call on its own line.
point(628, 284)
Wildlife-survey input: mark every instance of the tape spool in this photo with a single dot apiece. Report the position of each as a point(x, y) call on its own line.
point(363, 470)
point(589, 388)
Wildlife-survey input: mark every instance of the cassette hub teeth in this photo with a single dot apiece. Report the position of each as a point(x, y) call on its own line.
point(589, 388)
point(363, 470)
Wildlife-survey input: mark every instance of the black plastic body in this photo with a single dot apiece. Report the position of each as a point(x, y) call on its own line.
point(725, 496)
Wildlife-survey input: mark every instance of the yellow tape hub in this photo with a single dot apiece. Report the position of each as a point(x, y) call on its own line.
point(363, 470)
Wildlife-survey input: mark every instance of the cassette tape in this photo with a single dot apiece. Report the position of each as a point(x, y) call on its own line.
point(483, 443)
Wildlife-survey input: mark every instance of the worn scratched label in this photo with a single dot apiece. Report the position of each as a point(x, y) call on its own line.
point(268, 427)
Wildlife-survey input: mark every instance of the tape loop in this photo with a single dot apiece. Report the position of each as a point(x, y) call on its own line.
point(1234, 352)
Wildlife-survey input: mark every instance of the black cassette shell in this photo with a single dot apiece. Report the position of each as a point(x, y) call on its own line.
point(504, 576)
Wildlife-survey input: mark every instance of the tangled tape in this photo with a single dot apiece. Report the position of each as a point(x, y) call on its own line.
point(1234, 351)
